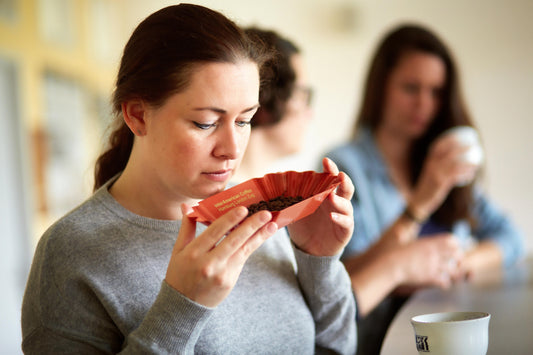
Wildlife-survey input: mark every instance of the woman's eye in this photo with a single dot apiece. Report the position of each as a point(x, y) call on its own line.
point(410, 88)
point(204, 125)
point(243, 123)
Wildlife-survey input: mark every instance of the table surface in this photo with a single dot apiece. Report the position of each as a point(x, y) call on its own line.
point(506, 295)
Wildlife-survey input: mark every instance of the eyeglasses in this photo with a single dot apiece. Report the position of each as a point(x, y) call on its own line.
point(306, 93)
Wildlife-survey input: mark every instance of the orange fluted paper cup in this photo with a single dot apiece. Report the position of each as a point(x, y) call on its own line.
point(309, 186)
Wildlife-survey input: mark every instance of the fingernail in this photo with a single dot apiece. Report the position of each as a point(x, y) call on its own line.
point(265, 217)
point(241, 211)
point(272, 227)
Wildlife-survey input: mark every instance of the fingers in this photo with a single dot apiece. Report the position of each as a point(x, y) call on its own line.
point(441, 145)
point(219, 228)
point(247, 237)
point(254, 242)
point(450, 272)
point(443, 281)
point(447, 151)
point(346, 188)
point(449, 246)
point(451, 257)
point(434, 260)
point(330, 166)
point(448, 145)
point(228, 233)
point(448, 164)
point(464, 174)
point(340, 204)
point(342, 220)
point(205, 268)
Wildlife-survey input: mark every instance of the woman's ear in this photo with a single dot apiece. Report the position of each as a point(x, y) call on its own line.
point(134, 112)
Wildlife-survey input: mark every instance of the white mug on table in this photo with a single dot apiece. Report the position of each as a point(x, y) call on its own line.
point(454, 333)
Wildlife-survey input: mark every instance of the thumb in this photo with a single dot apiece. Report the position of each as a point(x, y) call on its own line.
point(187, 230)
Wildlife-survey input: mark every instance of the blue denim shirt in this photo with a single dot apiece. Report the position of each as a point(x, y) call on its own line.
point(377, 203)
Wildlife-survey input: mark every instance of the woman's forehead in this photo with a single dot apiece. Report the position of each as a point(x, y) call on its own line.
point(217, 83)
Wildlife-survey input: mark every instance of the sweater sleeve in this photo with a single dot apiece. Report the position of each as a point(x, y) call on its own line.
point(64, 312)
point(328, 292)
point(159, 333)
point(171, 326)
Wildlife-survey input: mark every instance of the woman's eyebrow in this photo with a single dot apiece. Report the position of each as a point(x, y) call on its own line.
point(254, 107)
point(222, 111)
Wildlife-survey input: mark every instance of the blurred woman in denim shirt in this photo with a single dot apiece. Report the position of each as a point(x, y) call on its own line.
point(410, 183)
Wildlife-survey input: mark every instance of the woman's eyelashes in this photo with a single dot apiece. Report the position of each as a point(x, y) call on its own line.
point(206, 126)
point(243, 123)
point(410, 88)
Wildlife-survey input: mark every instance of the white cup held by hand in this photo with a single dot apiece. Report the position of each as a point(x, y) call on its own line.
point(467, 137)
point(454, 333)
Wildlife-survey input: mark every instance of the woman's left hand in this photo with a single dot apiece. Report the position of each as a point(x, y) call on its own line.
point(327, 231)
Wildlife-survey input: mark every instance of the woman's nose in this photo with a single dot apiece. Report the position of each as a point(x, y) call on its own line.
point(426, 99)
point(228, 144)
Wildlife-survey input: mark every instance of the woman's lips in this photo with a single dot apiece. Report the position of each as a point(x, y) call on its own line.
point(219, 175)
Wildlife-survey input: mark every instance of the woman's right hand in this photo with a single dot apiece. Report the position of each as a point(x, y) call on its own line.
point(206, 268)
point(443, 169)
point(430, 261)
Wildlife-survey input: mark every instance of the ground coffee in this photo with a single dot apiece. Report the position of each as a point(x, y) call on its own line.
point(275, 204)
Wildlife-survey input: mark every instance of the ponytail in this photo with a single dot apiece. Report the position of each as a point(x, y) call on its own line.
point(114, 160)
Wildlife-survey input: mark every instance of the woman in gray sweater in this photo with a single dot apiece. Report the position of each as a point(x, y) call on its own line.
point(128, 271)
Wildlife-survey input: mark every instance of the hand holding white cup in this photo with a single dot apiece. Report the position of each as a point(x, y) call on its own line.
point(467, 137)
point(457, 333)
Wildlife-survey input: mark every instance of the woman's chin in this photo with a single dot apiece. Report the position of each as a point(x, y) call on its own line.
point(211, 191)
point(417, 131)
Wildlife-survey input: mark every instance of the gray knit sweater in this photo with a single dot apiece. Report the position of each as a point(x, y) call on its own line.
point(96, 286)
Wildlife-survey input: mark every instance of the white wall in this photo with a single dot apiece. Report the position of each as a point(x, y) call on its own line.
point(492, 44)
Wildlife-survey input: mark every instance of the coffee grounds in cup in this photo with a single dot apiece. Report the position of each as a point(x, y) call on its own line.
point(275, 204)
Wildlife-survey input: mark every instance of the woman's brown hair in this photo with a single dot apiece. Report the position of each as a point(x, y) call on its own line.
point(157, 62)
point(279, 77)
point(400, 41)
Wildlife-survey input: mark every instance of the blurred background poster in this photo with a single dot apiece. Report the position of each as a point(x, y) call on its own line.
point(15, 214)
point(66, 159)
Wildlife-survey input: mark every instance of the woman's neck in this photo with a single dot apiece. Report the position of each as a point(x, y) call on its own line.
point(140, 193)
point(394, 147)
